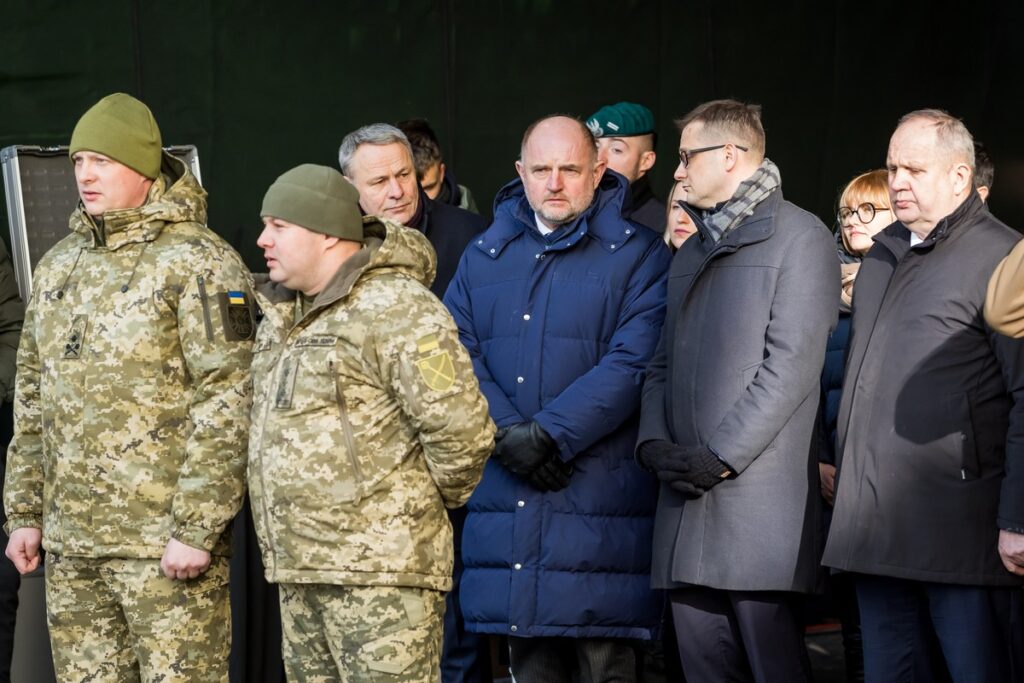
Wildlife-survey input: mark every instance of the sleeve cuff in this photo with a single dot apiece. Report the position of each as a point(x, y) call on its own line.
point(23, 521)
point(195, 536)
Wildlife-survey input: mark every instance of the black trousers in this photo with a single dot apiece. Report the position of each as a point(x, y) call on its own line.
point(554, 660)
point(978, 629)
point(739, 636)
point(10, 580)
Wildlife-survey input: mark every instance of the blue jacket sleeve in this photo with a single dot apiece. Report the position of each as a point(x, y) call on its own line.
point(457, 300)
point(600, 400)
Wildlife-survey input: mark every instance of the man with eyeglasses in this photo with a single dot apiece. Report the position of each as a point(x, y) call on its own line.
point(729, 406)
point(929, 510)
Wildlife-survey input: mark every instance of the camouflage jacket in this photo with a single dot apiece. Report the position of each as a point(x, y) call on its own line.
point(132, 394)
point(367, 421)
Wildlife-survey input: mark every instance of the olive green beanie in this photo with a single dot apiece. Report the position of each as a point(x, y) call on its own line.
point(317, 198)
point(122, 128)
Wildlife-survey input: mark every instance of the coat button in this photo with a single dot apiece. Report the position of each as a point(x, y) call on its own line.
point(521, 503)
point(492, 251)
point(517, 566)
point(520, 380)
point(613, 246)
point(513, 628)
point(526, 316)
point(628, 231)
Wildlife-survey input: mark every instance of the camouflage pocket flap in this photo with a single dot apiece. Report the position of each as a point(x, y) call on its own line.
point(395, 652)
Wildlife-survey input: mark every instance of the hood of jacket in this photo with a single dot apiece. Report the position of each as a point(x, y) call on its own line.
point(602, 220)
point(388, 248)
point(175, 197)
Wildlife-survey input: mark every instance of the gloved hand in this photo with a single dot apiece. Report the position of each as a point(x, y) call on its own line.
point(691, 471)
point(528, 451)
point(523, 447)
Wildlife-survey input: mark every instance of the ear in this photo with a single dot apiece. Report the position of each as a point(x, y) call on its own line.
point(647, 161)
point(732, 158)
point(440, 173)
point(962, 178)
point(521, 170)
point(329, 242)
point(599, 168)
point(983, 192)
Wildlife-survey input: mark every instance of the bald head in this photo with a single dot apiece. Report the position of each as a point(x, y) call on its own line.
point(564, 126)
point(559, 168)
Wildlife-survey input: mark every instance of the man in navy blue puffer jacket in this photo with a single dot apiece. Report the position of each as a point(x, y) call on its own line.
point(560, 303)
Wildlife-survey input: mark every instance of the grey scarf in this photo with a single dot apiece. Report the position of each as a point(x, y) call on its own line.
point(751, 192)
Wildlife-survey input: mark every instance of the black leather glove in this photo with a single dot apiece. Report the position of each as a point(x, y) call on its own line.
point(552, 475)
point(528, 451)
point(523, 448)
point(691, 471)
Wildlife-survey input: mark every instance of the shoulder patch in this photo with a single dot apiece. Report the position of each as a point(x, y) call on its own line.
point(435, 366)
point(236, 315)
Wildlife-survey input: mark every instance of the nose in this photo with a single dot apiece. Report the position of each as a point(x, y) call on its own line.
point(554, 183)
point(84, 171)
point(680, 173)
point(394, 188)
point(264, 241)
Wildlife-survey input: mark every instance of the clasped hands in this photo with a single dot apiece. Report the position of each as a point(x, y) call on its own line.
point(692, 471)
point(530, 452)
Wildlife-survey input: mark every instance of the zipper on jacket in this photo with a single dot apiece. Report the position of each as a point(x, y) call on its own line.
point(206, 307)
point(346, 427)
point(263, 478)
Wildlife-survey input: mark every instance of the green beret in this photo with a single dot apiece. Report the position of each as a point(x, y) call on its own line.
point(317, 198)
point(122, 128)
point(621, 120)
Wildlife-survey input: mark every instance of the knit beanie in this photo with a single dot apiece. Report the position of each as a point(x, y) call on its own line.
point(122, 128)
point(317, 198)
point(621, 120)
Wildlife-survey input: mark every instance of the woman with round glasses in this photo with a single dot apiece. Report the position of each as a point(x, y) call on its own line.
point(863, 211)
point(679, 225)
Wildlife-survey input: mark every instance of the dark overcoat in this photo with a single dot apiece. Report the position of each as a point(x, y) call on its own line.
point(738, 369)
point(931, 422)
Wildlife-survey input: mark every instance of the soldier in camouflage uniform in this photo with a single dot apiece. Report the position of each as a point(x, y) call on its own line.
point(131, 415)
point(367, 421)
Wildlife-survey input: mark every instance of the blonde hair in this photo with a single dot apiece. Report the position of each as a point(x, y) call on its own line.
point(667, 232)
point(873, 187)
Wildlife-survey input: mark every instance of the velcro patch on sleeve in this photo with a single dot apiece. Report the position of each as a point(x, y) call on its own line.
point(236, 316)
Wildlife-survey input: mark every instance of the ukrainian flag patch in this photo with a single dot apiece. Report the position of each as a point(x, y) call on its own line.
point(236, 298)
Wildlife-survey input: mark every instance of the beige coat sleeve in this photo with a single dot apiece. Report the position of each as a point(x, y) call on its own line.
point(1004, 302)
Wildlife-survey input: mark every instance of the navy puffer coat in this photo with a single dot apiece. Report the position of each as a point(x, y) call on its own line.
point(560, 329)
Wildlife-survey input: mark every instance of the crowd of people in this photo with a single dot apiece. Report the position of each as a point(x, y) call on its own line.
point(623, 434)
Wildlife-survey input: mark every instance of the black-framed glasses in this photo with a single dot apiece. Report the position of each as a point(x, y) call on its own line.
point(685, 154)
point(865, 212)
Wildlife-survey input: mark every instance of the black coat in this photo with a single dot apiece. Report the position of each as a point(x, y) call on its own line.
point(738, 368)
point(931, 423)
point(449, 230)
point(645, 208)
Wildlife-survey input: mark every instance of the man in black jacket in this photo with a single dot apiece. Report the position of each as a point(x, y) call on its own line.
point(625, 141)
point(929, 505)
point(378, 160)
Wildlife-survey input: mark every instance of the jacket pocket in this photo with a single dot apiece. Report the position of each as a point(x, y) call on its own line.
point(964, 444)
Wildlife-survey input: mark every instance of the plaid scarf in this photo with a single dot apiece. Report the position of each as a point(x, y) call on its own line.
point(723, 219)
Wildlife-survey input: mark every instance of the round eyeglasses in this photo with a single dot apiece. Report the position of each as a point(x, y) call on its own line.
point(865, 212)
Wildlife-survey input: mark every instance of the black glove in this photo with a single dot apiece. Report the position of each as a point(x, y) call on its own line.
point(523, 448)
point(552, 475)
point(528, 451)
point(691, 471)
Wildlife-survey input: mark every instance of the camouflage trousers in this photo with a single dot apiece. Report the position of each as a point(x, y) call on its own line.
point(361, 633)
point(123, 621)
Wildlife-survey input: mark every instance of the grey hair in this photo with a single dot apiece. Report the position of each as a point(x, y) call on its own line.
point(373, 134)
point(950, 132)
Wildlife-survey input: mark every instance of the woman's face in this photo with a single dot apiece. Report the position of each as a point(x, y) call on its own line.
point(858, 232)
point(680, 226)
